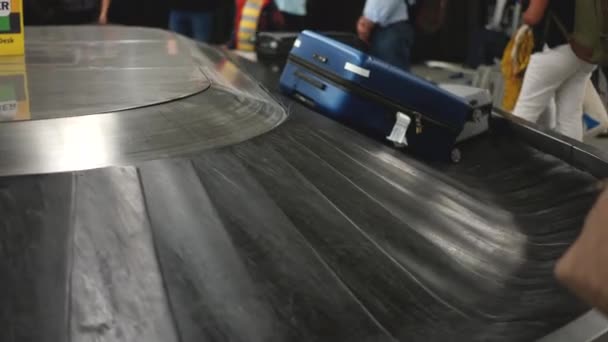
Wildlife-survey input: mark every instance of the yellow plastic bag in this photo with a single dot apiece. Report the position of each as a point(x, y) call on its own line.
point(514, 62)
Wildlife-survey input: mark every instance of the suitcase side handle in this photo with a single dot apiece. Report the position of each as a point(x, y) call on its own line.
point(304, 100)
point(310, 80)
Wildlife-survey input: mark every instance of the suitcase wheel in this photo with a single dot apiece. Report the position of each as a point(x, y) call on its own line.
point(455, 155)
point(477, 115)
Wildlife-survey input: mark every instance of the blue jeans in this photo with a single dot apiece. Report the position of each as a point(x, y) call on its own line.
point(393, 43)
point(197, 25)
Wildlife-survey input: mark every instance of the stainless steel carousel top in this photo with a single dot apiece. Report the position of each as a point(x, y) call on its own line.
point(107, 96)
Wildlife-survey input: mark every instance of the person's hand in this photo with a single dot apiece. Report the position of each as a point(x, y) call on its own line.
point(103, 19)
point(535, 12)
point(365, 28)
point(521, 33)
point(584, 267)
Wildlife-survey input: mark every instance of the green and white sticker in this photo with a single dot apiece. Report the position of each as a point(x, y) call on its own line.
point(5, 12)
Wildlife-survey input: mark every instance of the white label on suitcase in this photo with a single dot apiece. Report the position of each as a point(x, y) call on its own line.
point(297, 43)
point(357, 70)
point(399, 133)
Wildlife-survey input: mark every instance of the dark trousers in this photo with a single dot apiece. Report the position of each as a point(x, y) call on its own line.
point(393, 44)
point(197, 25)
point(294, 23)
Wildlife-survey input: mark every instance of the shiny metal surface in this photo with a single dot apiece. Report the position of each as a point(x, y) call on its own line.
point(309, 232)
point(72, 71)
point(591, 327)
point(234, 109)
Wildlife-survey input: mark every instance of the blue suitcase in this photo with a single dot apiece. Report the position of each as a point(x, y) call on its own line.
point(381, 100)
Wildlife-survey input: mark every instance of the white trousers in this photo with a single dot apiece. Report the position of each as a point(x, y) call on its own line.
point(555, 75)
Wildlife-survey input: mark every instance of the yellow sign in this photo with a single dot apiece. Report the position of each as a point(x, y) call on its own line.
point(11, 28)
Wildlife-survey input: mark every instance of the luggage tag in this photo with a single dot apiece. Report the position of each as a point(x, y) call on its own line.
point(399, 133)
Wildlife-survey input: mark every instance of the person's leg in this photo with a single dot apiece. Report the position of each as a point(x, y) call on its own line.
point(179, 22)
point(407, 41)
point(548, 117)
point(290, 22)
point(569, 99)
point(546, 72)
point(293, 23)
point(388, 45)
point(202, 26)
point(392, 44)
point(301, 22)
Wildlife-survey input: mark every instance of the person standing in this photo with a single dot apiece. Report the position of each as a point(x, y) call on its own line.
point(193, 18)
point(555, 73)
point(66, 12)
point(385, 25)
point(294, 14)
point(128, 12)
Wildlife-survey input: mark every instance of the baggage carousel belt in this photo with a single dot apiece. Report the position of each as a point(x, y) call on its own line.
point(311, 232)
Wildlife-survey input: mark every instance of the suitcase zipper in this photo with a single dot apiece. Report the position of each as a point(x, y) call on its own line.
point(368, 94)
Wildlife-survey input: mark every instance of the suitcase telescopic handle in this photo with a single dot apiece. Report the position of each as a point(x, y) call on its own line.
point(310, 80)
